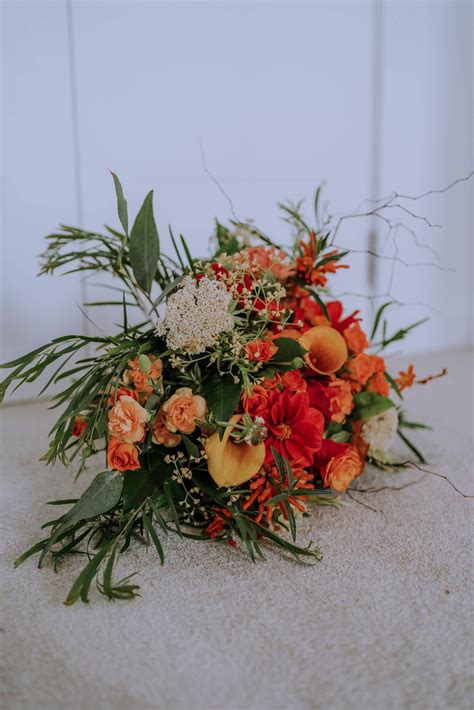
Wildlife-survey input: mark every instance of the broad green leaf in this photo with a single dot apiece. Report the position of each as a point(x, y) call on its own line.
point(222, 395)
point(288, 349)
point(144, 245)
point(139, 485)
point(122, 209)
point(369, 404)
point(144, 364)
point(103, 493)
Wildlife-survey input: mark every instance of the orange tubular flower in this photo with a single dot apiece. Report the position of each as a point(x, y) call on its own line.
point(218, 523)
point(406, 379)
point(327, 350)
point(267, 485)
point(232, 464)
point(305, 264)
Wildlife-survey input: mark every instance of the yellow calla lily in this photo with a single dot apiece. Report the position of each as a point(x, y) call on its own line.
point(232, 464)
point(327, 349)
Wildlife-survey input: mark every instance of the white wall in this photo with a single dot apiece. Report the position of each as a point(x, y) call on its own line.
point(281, 96)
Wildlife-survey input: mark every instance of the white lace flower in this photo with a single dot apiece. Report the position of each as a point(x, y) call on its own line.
point(196, 314)
point(379, 431)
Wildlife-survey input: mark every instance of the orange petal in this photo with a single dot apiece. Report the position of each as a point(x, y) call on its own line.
point(327, 350)
point(232, 464)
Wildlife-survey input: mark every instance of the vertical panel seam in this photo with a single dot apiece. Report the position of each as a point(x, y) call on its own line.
point(76, 145)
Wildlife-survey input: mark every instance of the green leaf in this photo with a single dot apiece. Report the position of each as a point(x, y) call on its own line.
point(191, 447)
point(320, 302)
point(172, 507)
point(222, 395)
point(144, 364)
point(152, 533)
point(121, 204)
point(369, 404)
point(187, 252)
point(411, 446)
point(288, 349)
point(341, 436)
point(102, 495)
point(82, 584)
point(138, 485)
point(144, 246)
point(378, 316)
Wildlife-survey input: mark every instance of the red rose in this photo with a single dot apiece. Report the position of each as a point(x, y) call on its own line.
point(260, 350)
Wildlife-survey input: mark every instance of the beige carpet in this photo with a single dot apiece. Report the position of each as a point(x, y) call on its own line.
point(383, 622)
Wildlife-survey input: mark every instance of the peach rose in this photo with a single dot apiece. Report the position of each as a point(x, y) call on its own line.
point(260, 350)
point(341, 470)
point(122, 456)
point(356, 339)
point(116, 394)
point(362, 367)
point(161, 433)
point(79, 426)
point(127, 419)
point(341, 401)
point(182, 409)
point(141, 380)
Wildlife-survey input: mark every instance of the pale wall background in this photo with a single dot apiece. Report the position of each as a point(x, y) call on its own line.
point(369, 96)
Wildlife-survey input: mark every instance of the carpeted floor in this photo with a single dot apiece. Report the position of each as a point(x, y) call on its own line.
point(383, 622)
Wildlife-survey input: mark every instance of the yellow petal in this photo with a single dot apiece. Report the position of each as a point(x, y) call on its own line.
point(232, 464)
point(327, 349)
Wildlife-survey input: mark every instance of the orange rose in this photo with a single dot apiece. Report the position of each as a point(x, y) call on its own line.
point(341, 470)
point(379, 384)
point(260, 350)
point(122, 456)
point(161, 433)
point(79, 426)
point(126, 420)
point(341, 401)
point(141, 380)
point(362, 367)
point(356, 339)
point(182, 409)
point(294, 381)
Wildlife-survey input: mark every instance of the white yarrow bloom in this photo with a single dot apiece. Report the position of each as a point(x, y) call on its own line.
point(196, 314)
point(379, 431)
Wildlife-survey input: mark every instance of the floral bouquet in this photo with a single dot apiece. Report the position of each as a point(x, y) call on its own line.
point(242, 394)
